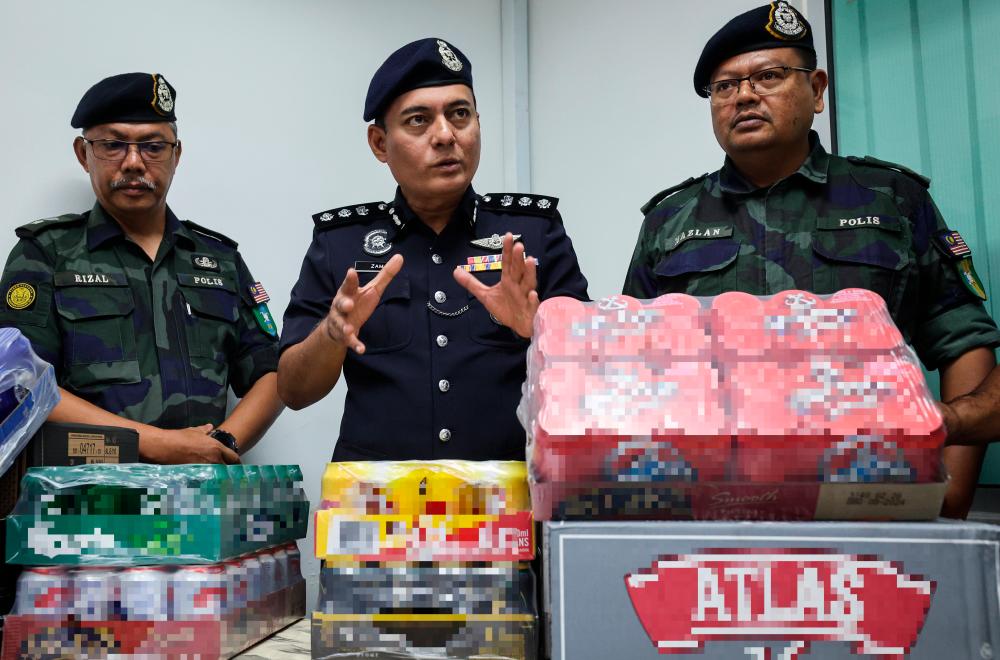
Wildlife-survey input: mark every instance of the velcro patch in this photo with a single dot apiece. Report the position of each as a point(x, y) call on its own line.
point(952, 245)
point(888, 223)
point(210, 281)
point(72, 278)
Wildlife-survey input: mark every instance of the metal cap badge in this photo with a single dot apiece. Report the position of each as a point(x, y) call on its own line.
point(127, 97)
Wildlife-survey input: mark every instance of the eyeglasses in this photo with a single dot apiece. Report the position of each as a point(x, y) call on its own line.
point(762, 83)
point(154, 151)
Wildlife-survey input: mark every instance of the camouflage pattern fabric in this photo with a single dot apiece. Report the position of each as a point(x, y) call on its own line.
point(835, 223)
point(157, 342)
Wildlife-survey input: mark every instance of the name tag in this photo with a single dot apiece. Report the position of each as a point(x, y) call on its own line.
point(69, 278)
point(717, 231)
point(369, 266)
point(886, 222)
point(210, 281)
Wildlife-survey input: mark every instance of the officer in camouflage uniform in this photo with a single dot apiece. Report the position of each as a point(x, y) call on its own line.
point(147, 319)
point(782, 213)
point(433, 370)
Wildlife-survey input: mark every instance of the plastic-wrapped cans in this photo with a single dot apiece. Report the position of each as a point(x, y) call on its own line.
point(144, 593)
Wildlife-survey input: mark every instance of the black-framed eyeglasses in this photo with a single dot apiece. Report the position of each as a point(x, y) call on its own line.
point(763, 82)
point(153, 151)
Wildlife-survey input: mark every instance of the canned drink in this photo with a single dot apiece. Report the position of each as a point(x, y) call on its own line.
point(268, 573)
point(144, 593)
point(200, 592)
point(284, 580)
point(96, 594)
point(44, 591)
point(294, 572)
point(254, 584)
point(239, 583)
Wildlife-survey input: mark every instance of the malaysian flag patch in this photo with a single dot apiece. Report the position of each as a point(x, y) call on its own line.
point(258, 293)
point(952, 245)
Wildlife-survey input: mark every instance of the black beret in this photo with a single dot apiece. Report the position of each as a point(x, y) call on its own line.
point(422, 63)
point(128, 97)
point(776, 25)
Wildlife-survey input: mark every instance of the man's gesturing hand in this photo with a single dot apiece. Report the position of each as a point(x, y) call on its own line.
point(514, 300)
point(354, 304)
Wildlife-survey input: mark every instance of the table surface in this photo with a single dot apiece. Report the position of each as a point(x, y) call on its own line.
point(287, 643)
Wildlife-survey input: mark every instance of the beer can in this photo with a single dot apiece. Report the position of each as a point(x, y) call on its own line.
point(44, 591)
point(200, 592)
point(268, 573)
point(96, 594)
point(294, 572)
point(144, 593)
point(239, 583)
point(283, 580)
point(254, 584)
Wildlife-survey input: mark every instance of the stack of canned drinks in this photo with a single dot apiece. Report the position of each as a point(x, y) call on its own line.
point(199, 602)
point(425, 559)
point(138, 513)
point(640, 408)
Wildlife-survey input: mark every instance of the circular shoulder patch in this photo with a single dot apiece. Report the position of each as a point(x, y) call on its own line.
point(20, 296)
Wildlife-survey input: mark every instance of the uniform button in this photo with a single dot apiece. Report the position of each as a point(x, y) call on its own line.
point(444, 435)
point(436, 258)
point(444, 385)
point(440, 297)
point(442, 341)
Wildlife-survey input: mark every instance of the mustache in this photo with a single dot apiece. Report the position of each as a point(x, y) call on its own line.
point(126, 181)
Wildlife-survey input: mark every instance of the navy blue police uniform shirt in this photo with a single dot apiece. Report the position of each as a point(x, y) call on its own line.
point(439, 377)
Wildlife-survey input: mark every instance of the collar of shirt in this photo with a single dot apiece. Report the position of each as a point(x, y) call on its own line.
point(407, 217)
point(102, 228)
point(814, 168)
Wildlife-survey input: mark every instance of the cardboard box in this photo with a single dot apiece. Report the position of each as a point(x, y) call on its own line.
point(717, 590)
point(81, 444)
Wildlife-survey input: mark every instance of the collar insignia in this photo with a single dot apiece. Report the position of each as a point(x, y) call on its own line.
point(377, 242)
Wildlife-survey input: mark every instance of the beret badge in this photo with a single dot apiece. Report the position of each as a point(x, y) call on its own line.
point(163, 100)
point(784, 23)
point(448, 57)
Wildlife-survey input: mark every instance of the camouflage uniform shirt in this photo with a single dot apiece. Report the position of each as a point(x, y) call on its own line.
point(157, 342)
point(836, 223)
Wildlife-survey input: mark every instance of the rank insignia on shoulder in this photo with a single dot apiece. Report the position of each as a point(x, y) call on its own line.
point(21, 296)
point(494, 242)
point(349, 214)
point(259, 293)
point(520, 203)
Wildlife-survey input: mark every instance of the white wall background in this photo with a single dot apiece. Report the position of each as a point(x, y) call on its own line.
point(269, 101)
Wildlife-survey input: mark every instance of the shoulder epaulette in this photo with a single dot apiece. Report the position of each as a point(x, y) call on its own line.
point(875, 162)
point(520, 203)
point(211, 233)
point(663, 194)
point(346, 215)
point(36, 227)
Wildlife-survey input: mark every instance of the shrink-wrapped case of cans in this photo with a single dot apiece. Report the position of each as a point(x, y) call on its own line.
point(792, 406)
point(154, 514)
point(425, 559)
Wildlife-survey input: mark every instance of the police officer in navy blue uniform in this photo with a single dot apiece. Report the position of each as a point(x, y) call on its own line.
point(425, 301)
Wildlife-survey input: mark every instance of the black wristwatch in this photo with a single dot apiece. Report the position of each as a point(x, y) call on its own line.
point(226, 438)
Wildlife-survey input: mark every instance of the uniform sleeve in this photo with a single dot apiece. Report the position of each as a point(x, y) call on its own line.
point(29, 303)
point(953, 321)
point(639, 280)
point(558, 268)
point(257, 353)
point(311, 295)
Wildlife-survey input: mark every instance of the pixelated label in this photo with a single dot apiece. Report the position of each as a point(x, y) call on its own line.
point(799, 595)
point(86, 445)
point(879, 501)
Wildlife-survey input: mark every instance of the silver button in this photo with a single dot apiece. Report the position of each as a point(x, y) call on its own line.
point(444, 385)
point(436, 258)
point(440, 297)
point(442, 341)
point(444, 435)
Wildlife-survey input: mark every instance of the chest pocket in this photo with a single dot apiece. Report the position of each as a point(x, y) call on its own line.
point(482, 326)
point(699, 268)
point(98, 336)
point(390, 327)
point(869, 257)
point(210, 325)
